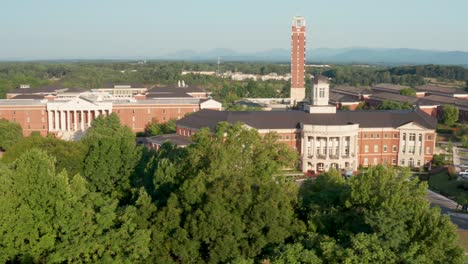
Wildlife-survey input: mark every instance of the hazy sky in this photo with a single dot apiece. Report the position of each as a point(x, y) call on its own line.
point(120, 28)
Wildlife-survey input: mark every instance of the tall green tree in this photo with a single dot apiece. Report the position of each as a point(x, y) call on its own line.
point(227, 202)
point(381, 216)
point(48, 218)
point(10, 133)
point(394, 105)
point(450, 114)
point(111, 156)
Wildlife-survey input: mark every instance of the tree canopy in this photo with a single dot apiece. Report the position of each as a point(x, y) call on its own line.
point(394, 105)
point(450, 114)
point(10, 133)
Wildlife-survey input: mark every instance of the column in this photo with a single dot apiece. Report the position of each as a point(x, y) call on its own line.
point(82, 120)
point(56, 120)
point(62, 120)
point(68, 120)
point(75, 121)
point(96, 113)
point(49, 119)
point(89, 118)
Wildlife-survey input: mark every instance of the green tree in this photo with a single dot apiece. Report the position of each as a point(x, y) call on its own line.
point(68, 155)
point(111, 156)
point(48, 218)
point(449, 114)
point(155, 128)
point(393, 105)
point(408, 92)
point(10, 133)
point(227, 202)
point(381, 216)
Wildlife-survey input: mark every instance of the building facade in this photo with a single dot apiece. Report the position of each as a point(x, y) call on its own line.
point(328, 139)
point(68, 112)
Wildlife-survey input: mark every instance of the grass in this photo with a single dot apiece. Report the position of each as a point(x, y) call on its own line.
point(463, 241)
point(440, 183)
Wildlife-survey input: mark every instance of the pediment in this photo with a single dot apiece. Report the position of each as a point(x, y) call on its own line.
point(78, 104)
point(411, 126)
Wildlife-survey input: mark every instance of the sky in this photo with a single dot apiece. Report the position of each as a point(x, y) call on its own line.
point(62, 29)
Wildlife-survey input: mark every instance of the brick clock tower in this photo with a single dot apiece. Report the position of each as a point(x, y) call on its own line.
point(298, 60)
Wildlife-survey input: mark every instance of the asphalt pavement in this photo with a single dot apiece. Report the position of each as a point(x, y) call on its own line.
point(448, 207)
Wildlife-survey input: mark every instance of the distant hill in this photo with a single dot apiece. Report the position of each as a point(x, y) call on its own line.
point(325, 55)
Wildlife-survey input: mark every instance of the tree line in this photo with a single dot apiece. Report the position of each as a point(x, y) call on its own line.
point(222, 199)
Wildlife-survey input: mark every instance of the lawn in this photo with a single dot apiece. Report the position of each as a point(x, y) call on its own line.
point(440, 183)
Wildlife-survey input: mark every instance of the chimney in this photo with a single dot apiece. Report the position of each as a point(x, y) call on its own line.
point(178, 83)
point(183, 83)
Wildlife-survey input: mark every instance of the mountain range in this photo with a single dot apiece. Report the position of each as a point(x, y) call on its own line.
point(385, 56)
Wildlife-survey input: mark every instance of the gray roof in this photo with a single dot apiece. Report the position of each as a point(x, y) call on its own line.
point(355, 90)
point(389, 86)
point(132, 85)
point(382, 96)
point(39, 90)
point(176, 139)
point(22, 102)
point(177, 89)
point(441, 100)
point(293, 119)
point(191, 100)
point(440, 89)
point(29, 96)
point(343, 98)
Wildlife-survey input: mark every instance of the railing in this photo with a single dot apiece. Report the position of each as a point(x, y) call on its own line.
point(334, 156)
point(321, 156)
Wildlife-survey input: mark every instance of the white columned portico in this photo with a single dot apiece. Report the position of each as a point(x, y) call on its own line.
point(82, 120)
point(89, 119)
point(75, 121)
point(62, 120)
point(68, 121)
point(50, 117)
point(56, 120)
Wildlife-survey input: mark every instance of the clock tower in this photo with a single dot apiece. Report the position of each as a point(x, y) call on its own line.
point(298, 60)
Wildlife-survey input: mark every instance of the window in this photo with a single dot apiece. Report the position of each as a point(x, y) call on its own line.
point(376, 148)
point(395, 135)
point(322, 92)
point(402, 162)
point(385, 135)
point(280, 137)
point(377, 135)
point(385, 148)
point(404, 136)
point(287, 136)
point(133, 111)
point(164, 111)
point(366, 148)
point(133, 118)
point(428, 150)
point(376, 161)
point(28, 119)
point(148, 111)
point(412, 137)
point(393, 161)
point(411, 149)
point(419, 163)
point(394, 148)
point(164, 118)
point(366, 161)
point(371, 135)
point(364, 135)
point(429, 137)
point(420, 137)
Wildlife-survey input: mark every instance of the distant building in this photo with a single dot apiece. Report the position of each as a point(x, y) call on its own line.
point(67, 111)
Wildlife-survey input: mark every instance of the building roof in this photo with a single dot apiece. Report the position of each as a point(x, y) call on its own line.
point(388, 86)
point(354, 90)
point(176, 139)
point(175, 88)
point(132, 85)
point(22, 102)
point(441, 100)
point(38, 90)
point(320, 79)
point(75, 90)
point(440, 89)
point(382, 96)
point(343, 98)
point(293, 119)
point(29, 96)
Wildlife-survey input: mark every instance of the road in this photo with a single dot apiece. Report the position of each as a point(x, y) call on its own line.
point(447, 207)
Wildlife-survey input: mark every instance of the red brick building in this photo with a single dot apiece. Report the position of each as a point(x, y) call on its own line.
point(66, 112)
